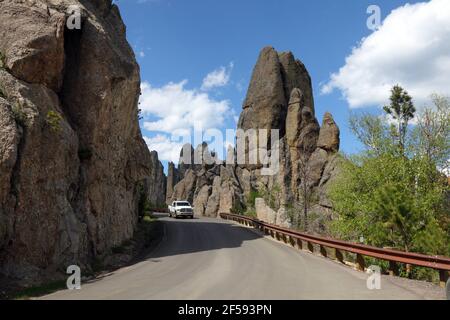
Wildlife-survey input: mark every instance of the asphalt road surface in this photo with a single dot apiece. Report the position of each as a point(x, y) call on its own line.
point(215, 259)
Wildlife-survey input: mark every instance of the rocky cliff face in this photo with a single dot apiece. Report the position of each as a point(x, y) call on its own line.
point(72, 158)
point(279, 97)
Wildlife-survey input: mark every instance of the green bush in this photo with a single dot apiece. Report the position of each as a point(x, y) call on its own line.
point(238, 208)
point(54, 121)
point(393, 193)
point(251, 198)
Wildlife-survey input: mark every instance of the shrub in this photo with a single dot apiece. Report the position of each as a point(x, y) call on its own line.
point(54, 121)
point(237, 208)
point(254, 194)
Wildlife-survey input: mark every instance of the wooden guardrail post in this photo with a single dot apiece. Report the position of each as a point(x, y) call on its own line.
point(338, 255)
point(360, 263)
point(393, 268)
point(323, 251)
point(299, 244)
point(447, 289)
point(310, 247)
point(292, 241)
point(443, 277)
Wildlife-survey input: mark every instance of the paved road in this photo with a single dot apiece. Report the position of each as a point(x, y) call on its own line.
point(214, 259)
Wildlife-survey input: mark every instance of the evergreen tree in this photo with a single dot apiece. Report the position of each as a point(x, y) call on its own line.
point(402, 110)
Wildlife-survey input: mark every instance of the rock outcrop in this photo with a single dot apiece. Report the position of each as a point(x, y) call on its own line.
point(279, 97)
point(173, 177)
point(156, 183)
point(72, 158)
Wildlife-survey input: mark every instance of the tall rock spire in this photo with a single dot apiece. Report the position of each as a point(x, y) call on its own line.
point(265, 104)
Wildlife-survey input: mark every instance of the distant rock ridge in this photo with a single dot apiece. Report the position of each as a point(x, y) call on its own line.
point(73, 163)
point(279, 97)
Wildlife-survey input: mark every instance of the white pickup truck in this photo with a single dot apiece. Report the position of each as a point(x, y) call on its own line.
point(181, 209)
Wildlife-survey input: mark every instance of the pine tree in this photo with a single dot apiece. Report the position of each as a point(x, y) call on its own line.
point(402, 110)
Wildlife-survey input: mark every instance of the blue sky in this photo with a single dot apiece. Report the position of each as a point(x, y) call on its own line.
point(179, 40)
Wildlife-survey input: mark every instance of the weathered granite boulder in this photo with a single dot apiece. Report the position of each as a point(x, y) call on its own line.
point(72, 154)
point(173, 177)
point(156, 182)
point(201, 200)
point(329, 134)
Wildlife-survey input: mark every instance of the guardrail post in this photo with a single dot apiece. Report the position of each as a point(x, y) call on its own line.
point(447, 289)
point(299, 244)
point(338, 255)
point(393, 268)
point(323, 251)
point(360, 263)
point(443, 277)
point(292, 241)
point(310, 247)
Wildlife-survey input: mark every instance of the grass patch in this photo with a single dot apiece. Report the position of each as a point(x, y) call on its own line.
point(251, 213)
point(39, 291)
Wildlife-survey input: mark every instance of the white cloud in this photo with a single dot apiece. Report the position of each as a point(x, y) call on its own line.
point(178, 108)
point(141, 54)
point(175, 110)
point(167, 149)
point(411, 48)
point(217, 78)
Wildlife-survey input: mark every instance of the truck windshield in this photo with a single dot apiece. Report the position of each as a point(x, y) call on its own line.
point(182, 204)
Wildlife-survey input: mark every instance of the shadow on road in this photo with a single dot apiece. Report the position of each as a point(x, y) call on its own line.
point(198, 235)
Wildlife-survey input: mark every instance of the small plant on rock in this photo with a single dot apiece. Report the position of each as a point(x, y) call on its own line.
point(54, 121)
point(19, 115)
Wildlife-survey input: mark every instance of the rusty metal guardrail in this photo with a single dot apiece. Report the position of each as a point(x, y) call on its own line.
point(296, 239)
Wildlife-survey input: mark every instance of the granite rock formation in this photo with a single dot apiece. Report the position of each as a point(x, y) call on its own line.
point(72, 158)
point(279, 97)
